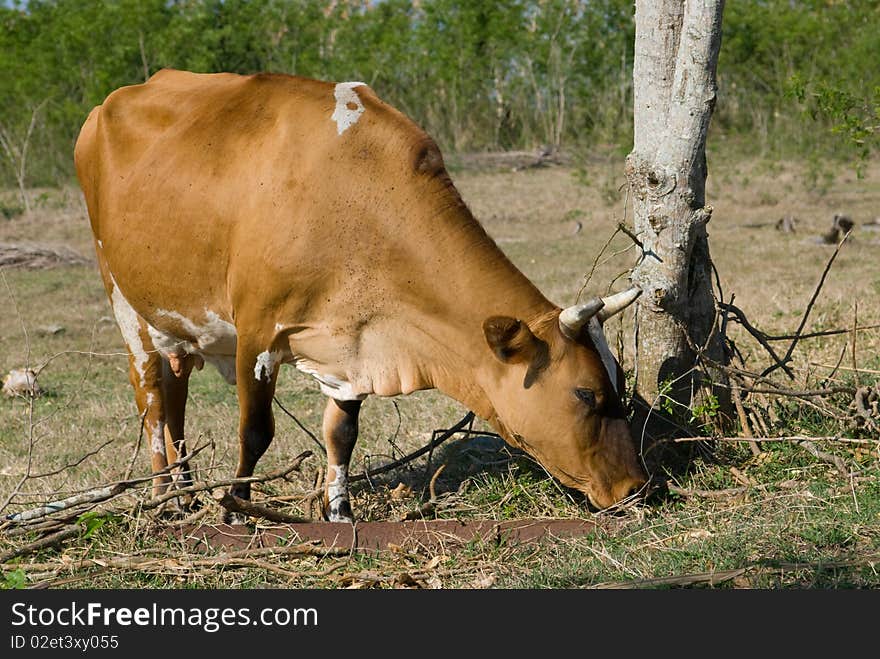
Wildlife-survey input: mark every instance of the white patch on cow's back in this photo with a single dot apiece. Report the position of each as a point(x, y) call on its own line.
point(344, 116)
point(129, 325)
point(265, 365)
point(598, 335)
point(331, 386)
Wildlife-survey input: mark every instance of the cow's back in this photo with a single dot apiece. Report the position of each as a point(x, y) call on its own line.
point(198, 178)
point(284, 205)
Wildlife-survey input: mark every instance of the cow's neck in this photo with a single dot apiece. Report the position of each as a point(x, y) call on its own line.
point(465, 279)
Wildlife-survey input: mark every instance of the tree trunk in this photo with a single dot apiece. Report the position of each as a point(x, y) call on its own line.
point(676, 52)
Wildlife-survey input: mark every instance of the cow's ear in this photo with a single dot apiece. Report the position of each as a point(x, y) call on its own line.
point(510, 339)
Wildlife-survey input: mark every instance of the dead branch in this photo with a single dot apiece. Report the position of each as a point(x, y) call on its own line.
point(300, 424)
point(797, 334)
point(711, 578)
point(50, 540)
point(717, 577)
point(75, 463)
point(29, 255)
point(743, 419)
point(755, 332)
point(845, 368)
point(96, 495)
point(210, 485)
point(433, 482)
point(235, 504)
point(436, 440)
point(707, 494)
point(791, 438)
point(247, 558)
point(759, 336)
point(865, 407)
point(589, 275)
point(430, 506)
point(17, 155)
point(625, 229)
point(137, 447)
point(807, 393)
point(92, 496)
point(854, 334)
point(838, 462)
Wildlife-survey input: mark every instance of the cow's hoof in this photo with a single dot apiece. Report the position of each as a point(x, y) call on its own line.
point(340, 518)
point(340, 512)
point(235, 519)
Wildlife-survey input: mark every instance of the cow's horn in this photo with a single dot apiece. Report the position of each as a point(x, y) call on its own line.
point(572, 319)
point(618, 302)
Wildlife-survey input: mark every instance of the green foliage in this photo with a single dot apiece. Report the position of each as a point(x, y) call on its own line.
point(855, 116)
point(92, 521)
point(701, 413)
point(14, 580)
point(10, 210)
point(510, 74)
point(776, 52)
point(506, 74)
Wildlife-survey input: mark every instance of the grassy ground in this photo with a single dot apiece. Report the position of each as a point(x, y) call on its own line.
point(782, 518)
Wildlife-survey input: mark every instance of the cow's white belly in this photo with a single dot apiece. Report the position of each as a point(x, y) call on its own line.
point(215, 340)
point(331, 385)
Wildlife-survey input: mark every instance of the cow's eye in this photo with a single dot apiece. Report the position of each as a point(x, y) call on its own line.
point(587, 396)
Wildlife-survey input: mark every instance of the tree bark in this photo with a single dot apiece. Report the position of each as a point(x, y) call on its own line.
point(676, 52)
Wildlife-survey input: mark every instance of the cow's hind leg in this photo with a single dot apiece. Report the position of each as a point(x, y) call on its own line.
point(340, 430)
point(145, 373)
point(256, 375)
point(175, 388)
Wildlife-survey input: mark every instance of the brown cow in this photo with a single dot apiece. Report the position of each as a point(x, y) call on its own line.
point(252, 221)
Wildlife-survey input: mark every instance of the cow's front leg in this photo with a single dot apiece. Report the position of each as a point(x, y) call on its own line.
point(256, 375)
point(340, 430)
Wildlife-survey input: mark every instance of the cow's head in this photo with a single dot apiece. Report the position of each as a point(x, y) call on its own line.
point(556, 395)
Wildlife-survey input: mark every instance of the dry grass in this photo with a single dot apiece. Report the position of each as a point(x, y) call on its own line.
point(796, 508)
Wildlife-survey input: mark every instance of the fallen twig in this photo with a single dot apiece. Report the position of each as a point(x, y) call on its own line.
point(743, 419)
point(788, 438)
point(707, 494)
point(716, 577)
point(96, 495)
point(430, 506)
point(711, 578)
point(235, 504)
point(47, 541)
point(845, 368)
point(430, 446)
point(836, 460)
point(137, 446)
point(210, 485)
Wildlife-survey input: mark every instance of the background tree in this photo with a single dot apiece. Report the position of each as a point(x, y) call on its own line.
point(676, 53)
point(513, 74)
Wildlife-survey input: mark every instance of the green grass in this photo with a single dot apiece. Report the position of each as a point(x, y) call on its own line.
point(800, 524)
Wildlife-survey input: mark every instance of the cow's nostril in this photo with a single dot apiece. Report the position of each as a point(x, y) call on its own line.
point(634, 490)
